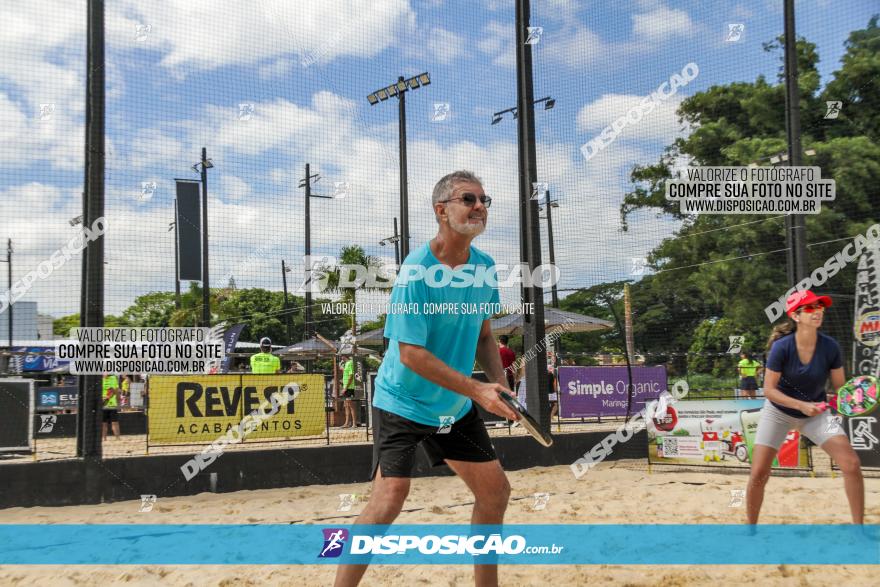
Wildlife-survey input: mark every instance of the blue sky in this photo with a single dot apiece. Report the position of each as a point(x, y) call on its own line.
point(307, 67)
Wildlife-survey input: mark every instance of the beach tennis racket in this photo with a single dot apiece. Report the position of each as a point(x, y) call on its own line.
point(529, 423)
point(857, 397)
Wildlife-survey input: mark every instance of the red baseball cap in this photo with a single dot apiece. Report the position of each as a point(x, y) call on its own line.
point(804, 298)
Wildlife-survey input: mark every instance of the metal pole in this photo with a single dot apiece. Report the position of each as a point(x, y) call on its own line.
point(176, 262)
point(554, 294)
point(206, 287)
point(404, 194)
point(530, 243)
point(93, 276)
point(286, 303)
point(308, 293)
point(396, 245)
point(9, 287)
point(793, 126)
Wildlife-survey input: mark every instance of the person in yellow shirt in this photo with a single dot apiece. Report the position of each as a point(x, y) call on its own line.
point(748, 369)
point(110, 404)
point(348, 394)
point(265, 362)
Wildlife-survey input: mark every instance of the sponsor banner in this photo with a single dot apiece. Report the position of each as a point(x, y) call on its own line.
point(57, 398)
point(715, 432)
point(230, 338)
point(864, 436)
point(34, 361)
point(188, 224)
point(444, 544)
point(602, 391)
point(199, 409)
point(867, 329)
point(866, 322)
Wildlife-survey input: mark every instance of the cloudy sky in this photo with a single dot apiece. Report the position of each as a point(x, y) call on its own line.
point(179, 71)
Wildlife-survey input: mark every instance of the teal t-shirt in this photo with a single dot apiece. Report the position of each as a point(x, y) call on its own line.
point(449, 332)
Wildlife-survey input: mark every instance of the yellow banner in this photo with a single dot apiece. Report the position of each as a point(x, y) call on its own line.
point(195, 409)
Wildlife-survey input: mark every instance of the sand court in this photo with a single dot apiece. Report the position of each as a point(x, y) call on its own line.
point(623, 492)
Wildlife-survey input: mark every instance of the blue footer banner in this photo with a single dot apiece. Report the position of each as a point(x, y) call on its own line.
point(276, 544)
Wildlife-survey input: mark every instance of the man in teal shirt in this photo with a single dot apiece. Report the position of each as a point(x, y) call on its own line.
point(437, 324)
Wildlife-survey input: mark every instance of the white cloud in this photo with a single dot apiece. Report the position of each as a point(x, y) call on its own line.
point(26, 139)
point(446, 46)
point(499, 42)
point(659, 124)
point(151, 148)
point(234, 188)
point(576, 47)
point(202, 35)
point(662, 23)
point(567, 42)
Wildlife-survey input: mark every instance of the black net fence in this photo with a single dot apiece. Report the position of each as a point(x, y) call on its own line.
point(287, 117)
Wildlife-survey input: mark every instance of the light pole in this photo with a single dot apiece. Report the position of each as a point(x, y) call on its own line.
point(9, 286)
point(548, 206)
point(549, 103)
point(530, 240)
point(796, 223)
point(399, 89)
point(796, 248)
point(396, 240)
point(284, 270)
point(202, 167)
point(173, 226)
point(307, 184)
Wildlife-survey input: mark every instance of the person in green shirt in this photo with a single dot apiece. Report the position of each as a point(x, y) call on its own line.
point(265, 362)
point(748, 369)
point(110, 405)
point(348, 386)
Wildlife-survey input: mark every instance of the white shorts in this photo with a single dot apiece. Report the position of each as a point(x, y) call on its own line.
point(775, 424)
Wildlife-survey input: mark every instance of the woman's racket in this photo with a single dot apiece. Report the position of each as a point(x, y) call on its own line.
point(529, 423)
point(857, 397)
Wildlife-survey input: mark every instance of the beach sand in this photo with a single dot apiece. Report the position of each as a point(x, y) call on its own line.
point(618, 492)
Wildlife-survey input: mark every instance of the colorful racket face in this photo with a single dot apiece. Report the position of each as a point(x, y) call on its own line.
point(858, 396)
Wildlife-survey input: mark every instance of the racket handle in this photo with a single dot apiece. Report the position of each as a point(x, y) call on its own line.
point(822, 406)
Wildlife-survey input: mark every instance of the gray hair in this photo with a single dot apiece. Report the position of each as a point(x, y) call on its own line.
point(443, 189)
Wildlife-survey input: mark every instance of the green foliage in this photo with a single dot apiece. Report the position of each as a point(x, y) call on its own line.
point(716, 275)
point(711, 340)
point(151, 310)
point(336, 275)
point(262, 312)
point(61, 326)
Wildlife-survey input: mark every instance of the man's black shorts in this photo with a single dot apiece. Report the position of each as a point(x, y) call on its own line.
point(111, 415)
point(348, 394)
point(748, 383)
point(396, 438)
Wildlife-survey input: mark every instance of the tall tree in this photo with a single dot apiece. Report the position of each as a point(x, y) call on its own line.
point(732, 266)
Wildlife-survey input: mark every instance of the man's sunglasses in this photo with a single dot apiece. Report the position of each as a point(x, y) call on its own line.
point(812, 308)
point(470, 199)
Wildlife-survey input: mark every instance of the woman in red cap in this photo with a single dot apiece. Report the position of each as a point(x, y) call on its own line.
point(799, 362)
